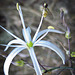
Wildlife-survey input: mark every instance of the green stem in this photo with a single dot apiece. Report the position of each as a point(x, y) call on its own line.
point(54, 68)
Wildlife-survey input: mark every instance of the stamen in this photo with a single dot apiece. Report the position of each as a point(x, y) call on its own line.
point(17, 6)
point(21, 16)
point(38, 27)
point(45, 13)
point(51, 27)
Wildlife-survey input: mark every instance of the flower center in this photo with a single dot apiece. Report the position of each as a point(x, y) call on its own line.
point(30, 44)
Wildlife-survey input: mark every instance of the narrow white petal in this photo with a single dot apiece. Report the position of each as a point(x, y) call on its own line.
point(28, 34)
point(44, 31)
point(10, 58)
point(28, 29)
point(9, 32)
point(12, 45)
point(53, 47)
point(35, 62)
point(13, 42)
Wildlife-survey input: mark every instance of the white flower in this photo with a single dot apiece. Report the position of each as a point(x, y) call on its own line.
point(29, 44)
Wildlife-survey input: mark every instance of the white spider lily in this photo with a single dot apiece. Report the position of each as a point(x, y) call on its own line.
point(29, 44)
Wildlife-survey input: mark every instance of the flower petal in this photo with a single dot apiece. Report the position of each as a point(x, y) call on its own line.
point(44, 31)
point(35, 62)
point(12, 45)
point(9, 32)
point(28, 31)
point(53, 47)
point(13, 42)
point(10, 58)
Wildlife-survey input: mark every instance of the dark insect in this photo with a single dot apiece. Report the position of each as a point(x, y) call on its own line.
point(47, 11)
point(45, 5)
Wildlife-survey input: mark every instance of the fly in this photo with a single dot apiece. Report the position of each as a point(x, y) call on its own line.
point(47, 11)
